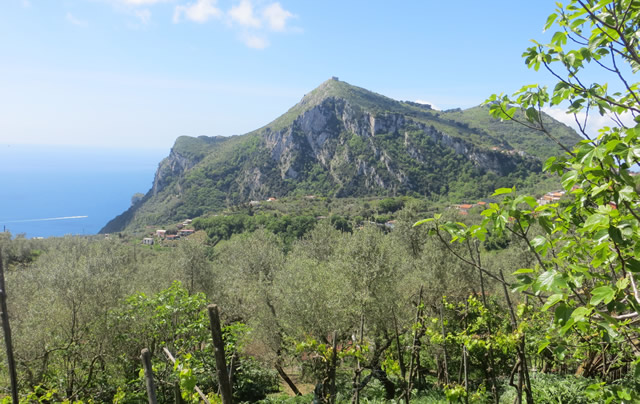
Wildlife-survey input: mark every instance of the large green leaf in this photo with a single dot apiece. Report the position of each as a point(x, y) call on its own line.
point(602, 293)
point(547, 279)
point(596, 221)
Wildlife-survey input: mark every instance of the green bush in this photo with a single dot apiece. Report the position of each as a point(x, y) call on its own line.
point(557, 389)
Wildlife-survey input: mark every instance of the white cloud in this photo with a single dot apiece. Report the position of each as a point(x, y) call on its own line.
point(143, 2)
point(594, 122)
point(201, 11)
point(433, 106)
point(75, 21)
point(143, 15)
point(251, 23)
point(255, 41)
point(276, 17)
point(243, 15)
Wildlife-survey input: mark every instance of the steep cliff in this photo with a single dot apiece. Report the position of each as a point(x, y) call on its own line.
point(342, 140)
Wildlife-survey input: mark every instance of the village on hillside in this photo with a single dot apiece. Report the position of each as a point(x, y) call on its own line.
point(549, 197)
point(162, 234)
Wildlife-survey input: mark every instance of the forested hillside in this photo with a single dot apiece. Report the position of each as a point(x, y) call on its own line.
point(344, 141)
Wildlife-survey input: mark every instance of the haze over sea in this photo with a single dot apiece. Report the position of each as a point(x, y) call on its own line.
point(86, 187)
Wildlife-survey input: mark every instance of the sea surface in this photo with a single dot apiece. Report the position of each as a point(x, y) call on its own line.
point(50, 191)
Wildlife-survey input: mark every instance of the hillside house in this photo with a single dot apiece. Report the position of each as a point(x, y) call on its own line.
point(147, 241)
point(186, 232)
point(161, 233)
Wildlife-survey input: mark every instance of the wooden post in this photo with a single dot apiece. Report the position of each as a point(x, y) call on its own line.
point(334, 357)
point(218, 346)
point(357, 376)
point(413, 346)
point(7, 336)
point(197, 389)
point(466, 374)
point(145, 357)
point(465, 355)
point(403, 372)
point(444, 342)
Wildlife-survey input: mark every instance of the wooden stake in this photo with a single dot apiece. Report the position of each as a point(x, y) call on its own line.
point(444, 342)
point(357, 376)
point(334, 357)
point(465, 355)
point(466, 373)
point(218, 346)
point(7, 336)
point(145, 357)
point(403, 372)
point(413, 346)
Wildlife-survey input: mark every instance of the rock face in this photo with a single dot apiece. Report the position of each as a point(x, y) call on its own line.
point(172, 167)
point(321, 136)
point(340, 140)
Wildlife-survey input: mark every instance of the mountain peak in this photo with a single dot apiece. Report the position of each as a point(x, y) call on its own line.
point(357, 97)
point(334, 88)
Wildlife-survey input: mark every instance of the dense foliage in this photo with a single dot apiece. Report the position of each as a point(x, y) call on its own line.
point(82, 310)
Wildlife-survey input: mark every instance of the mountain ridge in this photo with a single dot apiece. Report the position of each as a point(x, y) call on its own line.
point(342, 140)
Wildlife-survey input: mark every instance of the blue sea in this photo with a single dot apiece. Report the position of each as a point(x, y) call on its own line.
point(50, 191)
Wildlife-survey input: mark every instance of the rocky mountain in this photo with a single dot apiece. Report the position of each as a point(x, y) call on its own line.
point(341, 140)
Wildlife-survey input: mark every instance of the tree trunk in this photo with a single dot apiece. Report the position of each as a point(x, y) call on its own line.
point(218, 345)
point(287, 380)
point(389, 387)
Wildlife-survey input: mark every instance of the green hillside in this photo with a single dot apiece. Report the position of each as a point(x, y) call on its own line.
point(344, 141)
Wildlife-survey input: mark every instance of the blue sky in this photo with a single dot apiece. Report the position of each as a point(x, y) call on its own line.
point(139, 73)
